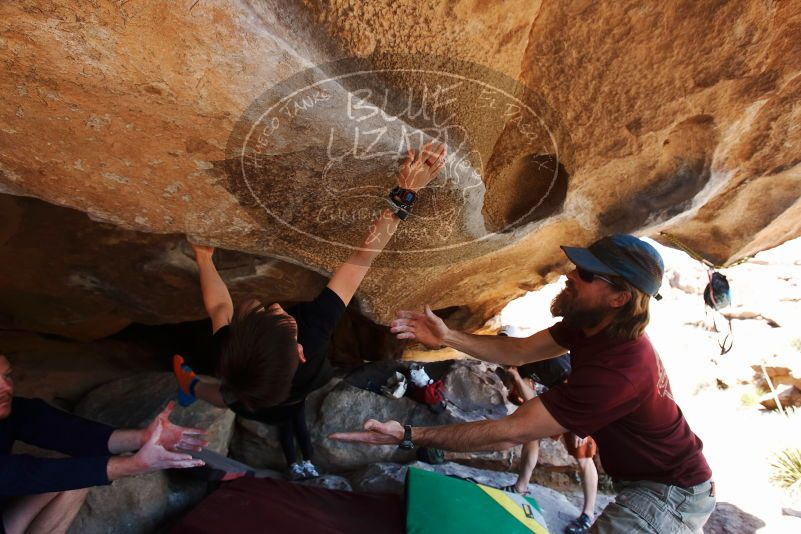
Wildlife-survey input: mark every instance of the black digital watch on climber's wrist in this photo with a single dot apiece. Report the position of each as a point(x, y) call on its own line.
point(401, 201)
point(407, 443)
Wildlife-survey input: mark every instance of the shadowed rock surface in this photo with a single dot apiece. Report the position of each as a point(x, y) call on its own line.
point(472, 391)
point(63, 372)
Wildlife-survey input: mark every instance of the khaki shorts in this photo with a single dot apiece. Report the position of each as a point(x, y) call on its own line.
point(645, 506)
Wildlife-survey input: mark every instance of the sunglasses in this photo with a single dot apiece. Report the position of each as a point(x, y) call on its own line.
point(589, 276)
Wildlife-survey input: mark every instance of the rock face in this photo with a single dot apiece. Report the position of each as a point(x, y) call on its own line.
point(778, 376)
point(143, 503)
point(473, 393)
point(91, 299)
point(565, 121)
point(785, 381)
point(329, 482)
point(62, 372)
point(788, 396)
point(728, 519)
point(381, 477)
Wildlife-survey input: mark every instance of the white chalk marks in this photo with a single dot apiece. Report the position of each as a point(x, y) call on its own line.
point(319, 151)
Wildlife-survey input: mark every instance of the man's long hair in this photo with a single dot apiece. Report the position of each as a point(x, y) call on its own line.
point(631, 319)
point(260, 358)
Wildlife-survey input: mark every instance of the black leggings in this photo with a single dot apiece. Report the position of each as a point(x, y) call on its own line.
point(294, 426)
point(291, 423)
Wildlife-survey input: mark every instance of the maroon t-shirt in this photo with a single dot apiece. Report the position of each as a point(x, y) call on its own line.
point(619, 393)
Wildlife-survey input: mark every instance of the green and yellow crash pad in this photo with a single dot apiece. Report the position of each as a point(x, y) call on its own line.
point(439, 504)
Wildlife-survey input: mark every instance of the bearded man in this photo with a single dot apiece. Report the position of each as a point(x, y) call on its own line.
point(618, 391)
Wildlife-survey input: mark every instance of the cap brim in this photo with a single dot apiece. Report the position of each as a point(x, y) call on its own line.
point(587, 260)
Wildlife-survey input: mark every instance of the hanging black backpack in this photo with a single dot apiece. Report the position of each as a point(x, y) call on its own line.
point(717, 294)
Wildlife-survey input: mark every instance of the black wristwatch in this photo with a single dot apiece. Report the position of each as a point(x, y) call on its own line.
point(401, 200)
point(407, 443)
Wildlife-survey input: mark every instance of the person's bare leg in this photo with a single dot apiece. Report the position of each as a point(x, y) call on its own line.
point(21, 511)
point(589, 484)
point(528, 461)
point(209, 392)
point(43, 513)
point(59, 514)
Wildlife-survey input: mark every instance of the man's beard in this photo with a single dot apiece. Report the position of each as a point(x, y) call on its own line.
point(564, 305)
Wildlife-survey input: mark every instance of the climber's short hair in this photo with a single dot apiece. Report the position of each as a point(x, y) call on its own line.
point(259, 359)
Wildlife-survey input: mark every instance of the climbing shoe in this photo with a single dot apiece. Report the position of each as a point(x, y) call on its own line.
point(309, 470)
point(580, 525)
point(296, 472)
point(186, 378)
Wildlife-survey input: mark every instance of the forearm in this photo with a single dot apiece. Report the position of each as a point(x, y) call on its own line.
point(494, 349)
point(415, 173)
point(124, 466)
point(125, 440)
point(348, 277)
point(215, 293)
point(464, 437)
point(505, 350)
point(531, 421)
point(378, 235)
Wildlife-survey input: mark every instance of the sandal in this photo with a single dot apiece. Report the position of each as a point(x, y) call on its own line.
point(513, 489)
point(579, 525)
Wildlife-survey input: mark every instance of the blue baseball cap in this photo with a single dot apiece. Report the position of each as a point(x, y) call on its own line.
point(623, 255)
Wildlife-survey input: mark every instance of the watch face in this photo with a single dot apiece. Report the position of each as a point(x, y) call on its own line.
point(408, 197)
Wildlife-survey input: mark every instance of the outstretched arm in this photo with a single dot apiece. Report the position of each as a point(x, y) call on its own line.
point(154, 455)
point(216, 298)
point(415, 173)
point(432, 332)
point(161, 445)
point(172, 436)
point(348, 277)
point(530, 422)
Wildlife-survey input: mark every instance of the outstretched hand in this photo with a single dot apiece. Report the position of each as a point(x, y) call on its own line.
point(375, 433)
point(153, 456)
point(418, 169)
point(173, 437)
point(425, 328)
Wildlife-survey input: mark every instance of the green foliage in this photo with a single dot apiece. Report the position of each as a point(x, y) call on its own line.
point(787, 469)
point(750, 396)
